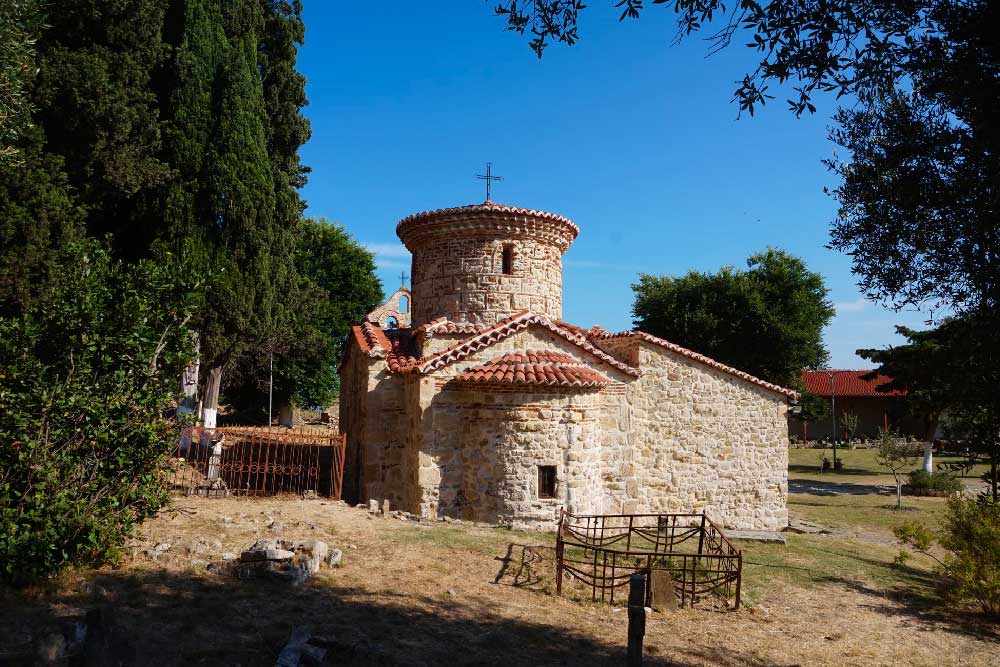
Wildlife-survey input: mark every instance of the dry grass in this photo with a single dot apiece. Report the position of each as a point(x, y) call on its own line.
point(466, 595)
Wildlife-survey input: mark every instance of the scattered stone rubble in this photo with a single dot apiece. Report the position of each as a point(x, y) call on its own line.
point(280, 558)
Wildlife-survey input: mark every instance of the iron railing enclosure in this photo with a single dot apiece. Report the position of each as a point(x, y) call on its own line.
point(237, 460)
point(602, 551)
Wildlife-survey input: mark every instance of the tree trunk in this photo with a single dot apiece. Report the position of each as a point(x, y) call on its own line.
point(210, 409)
point(993, 477)
point(189, 383)
point(286, 414)
point(899, 494)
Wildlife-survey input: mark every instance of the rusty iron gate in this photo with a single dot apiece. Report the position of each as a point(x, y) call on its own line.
point(603, 551)
point(239, 460)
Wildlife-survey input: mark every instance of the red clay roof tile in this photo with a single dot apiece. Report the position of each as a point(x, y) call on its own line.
point(847, 383)
point(503, 329)
point(546, 368)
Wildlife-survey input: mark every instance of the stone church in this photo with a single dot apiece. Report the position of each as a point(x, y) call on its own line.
point(469, 397)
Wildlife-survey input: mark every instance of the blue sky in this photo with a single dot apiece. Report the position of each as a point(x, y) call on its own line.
point(633, 138)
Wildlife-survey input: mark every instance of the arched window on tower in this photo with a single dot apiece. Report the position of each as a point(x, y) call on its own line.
point(392, 323)
point(404, 303)
point(508, 260)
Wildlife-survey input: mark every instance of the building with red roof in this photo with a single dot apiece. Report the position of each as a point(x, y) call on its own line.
point(472, 398)
point(852, 391)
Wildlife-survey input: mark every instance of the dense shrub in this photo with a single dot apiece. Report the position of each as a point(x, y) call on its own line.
point(920, 480)
point(971, 535)
point(86, 374)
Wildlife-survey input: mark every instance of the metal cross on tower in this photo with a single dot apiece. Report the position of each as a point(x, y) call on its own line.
point(489, 178)
point(403, 277)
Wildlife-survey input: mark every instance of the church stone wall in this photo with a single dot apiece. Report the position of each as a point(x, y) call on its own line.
point(395, 311)
point(375, 422)
point(692, 439)
point(486, 447)
point(462, 279)
point(682, 437)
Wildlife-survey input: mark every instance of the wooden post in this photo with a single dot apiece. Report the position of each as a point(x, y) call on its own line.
point(559, 552)
point(636, 619)
point(739, 576)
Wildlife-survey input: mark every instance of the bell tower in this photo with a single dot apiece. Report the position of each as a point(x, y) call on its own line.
point(483, 263)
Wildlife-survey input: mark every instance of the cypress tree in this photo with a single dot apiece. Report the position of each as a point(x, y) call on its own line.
point(233, 205)
point(100, 113)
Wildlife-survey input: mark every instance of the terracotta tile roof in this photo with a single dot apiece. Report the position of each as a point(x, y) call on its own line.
point(486, 207)
point(376, 342)
point(446, 326)
point(579, 331)
point(503, 329)
point(488, 215)
point(600, 334)
point(398, 346)
point(545, 368)
point(847, 383)
point(402, 350)
point(369, 339)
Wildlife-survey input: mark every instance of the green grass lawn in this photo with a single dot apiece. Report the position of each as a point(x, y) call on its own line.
point(861, 497)
point(860, 466)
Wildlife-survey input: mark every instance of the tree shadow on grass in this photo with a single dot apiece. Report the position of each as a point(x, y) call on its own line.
point(817, 488)
point(164, 617)
point(814, 470)
point(526, 566)
point(925, 606)
point(915, 595)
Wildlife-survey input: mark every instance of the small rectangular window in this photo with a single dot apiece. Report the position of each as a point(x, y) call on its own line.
point(546, 481)
point(508, 260)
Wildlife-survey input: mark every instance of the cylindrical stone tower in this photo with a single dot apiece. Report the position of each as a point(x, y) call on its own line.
point(485, 262)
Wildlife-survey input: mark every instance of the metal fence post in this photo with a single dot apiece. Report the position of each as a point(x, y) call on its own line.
point(636, 619)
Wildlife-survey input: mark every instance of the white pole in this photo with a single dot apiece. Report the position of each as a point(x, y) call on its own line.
point(270, 391)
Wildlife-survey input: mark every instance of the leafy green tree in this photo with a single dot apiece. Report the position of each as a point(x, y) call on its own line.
point(918, 188)
point(38, 217)
point(977, 428)
point(233, 131)
point(950, 370)
point(896, 453)
point(88, 370)
point(20, 23)
point(766, 320)
point(341, 273)
point(849, 421)
point(812, 407)
point(337, 288)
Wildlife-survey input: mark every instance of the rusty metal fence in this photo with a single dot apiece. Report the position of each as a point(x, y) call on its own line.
point(238, 460)
point(603, 551)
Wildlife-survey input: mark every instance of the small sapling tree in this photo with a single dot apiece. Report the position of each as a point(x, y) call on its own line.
point(896, 453)
point(849, 422)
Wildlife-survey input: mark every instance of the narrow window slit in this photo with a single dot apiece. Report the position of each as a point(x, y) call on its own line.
point(546, 481)
point(508, 260)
